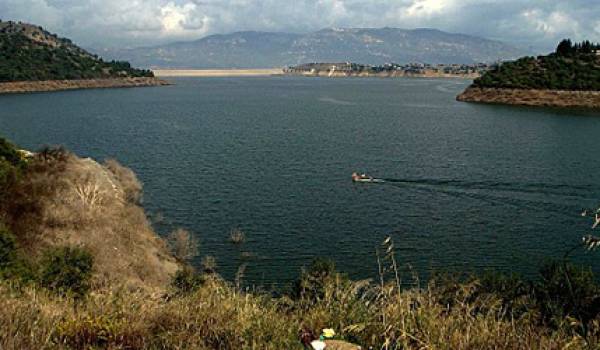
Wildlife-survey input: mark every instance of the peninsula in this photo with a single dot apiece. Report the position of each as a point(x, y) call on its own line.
point(32, 59)
point(568, 77)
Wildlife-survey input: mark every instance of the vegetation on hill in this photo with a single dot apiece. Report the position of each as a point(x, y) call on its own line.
point(29, 53)
point(53, 199)
point(570, 67)
point(78, 258)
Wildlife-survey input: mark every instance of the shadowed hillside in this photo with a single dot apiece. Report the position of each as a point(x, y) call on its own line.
point(568, 77)
point(571, 67)
point(29, 53)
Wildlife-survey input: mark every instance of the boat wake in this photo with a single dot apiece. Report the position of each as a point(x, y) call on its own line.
point(556, 198)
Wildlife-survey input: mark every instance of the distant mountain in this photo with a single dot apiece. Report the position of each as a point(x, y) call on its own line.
point(30, 53)
point(270, 49)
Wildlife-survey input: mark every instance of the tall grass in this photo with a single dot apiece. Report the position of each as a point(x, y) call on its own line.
point(218, 316)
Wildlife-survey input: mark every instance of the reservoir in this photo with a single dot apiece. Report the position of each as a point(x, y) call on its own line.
point(468, 187)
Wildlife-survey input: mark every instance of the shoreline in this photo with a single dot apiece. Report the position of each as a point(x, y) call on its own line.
point(17, 87)
point(392, 74)
point(523, 97)
point(207, 73)
point(266, 72)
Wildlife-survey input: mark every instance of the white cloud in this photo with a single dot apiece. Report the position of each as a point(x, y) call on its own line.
point(144, 22)
point(178, 20)
point(428, 7)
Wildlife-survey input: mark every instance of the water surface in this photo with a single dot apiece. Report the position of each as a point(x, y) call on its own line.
point(469, 186)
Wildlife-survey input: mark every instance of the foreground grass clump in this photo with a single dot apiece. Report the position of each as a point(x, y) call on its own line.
point(448, 313)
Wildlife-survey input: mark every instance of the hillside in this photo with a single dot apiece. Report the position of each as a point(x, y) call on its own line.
point(55, 199)
point(271, 49)
point(575, 68)
point(568, 77)
point(30, 53)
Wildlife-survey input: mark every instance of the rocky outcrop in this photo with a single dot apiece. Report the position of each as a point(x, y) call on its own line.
point(58, 85)
point(549, 98)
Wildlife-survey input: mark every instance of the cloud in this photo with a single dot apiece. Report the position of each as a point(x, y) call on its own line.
point(428, 7)
point(105, 23)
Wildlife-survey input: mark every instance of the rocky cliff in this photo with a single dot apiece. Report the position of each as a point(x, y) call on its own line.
point(528, 97)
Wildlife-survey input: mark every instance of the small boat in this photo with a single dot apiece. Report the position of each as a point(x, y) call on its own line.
point(365, 178)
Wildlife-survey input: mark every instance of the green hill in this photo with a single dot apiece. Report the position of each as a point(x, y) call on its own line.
point(571, 67)
point(30, 53)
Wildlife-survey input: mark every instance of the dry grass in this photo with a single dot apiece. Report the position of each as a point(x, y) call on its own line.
point(237, 236)
point(183, 245)
point(217, 316)
point(65, 200)
point(209, 264)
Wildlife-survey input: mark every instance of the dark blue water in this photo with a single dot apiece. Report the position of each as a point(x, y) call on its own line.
point(469, 186)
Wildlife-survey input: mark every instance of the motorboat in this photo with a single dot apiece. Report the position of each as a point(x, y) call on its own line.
point(365, 178)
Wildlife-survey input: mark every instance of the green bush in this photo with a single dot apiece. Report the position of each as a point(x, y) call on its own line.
point(511, 290)
point(187, 280)
point(66, 270)
point(7, 248)
point(310, 285)
point(11, 165)
point(12, 265)
point(566, 290)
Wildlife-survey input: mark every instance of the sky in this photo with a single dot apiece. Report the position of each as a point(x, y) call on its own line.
point(538, 24)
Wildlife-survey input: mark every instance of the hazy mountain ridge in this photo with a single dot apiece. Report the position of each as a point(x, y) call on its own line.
point(253, 49)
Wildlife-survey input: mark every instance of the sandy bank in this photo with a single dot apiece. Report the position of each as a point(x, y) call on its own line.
point(551, 98)
point(58, 85)
point(217, 72)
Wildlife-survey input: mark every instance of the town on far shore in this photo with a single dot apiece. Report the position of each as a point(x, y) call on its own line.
point(390, 69)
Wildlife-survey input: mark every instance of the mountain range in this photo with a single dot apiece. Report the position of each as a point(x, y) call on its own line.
point(252, 49)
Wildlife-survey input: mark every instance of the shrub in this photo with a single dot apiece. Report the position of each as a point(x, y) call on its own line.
point(187, 280)
point(130, 184)
point(12, 265)
point(209, 264)
point(66, 270)
point(183, 245)
point(237, 236)
point(11, 165)
point(311, 283)
point(10, 154)
point(7, 248)
point(566, 290)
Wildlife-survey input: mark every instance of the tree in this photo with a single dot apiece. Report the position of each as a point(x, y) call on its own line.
point(564, 48)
